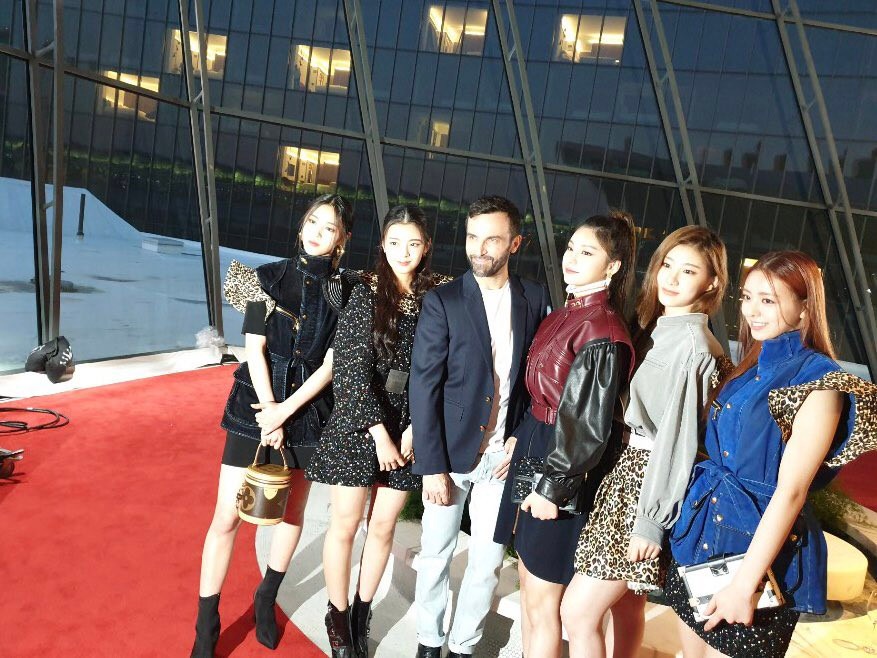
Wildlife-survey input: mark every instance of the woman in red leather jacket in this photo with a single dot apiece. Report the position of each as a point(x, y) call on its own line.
point(579, 362)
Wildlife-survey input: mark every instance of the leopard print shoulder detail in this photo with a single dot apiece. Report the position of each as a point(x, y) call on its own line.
point(724, 367)
point(785, 402)
point(409, 304)
point(242, 285)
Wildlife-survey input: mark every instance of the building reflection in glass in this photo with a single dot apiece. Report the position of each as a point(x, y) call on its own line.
point(582, 38)
point(215, 58)
point(309, 167)
point(321, 69)
point(124, 101)
point(455, 29)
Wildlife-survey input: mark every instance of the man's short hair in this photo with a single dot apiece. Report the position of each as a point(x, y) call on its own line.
point(491, 204)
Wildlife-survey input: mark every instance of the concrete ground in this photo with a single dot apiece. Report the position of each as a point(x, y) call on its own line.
point(844, 631)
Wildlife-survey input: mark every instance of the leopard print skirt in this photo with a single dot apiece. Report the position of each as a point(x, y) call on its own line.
point(602, 548)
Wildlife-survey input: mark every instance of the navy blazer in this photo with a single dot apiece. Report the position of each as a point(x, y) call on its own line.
point(451, 387)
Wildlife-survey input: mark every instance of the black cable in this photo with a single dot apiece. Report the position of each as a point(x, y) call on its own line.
point(21, 426)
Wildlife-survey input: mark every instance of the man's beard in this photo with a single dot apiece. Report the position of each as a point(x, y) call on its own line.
point(487, 266)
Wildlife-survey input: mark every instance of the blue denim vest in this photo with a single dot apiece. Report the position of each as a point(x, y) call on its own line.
point(296, 347)
point(728, 492)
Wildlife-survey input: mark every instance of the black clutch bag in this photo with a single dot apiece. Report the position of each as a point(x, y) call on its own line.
point(527, 473)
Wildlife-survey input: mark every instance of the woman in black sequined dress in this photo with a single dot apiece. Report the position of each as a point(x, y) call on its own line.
point(366, 447)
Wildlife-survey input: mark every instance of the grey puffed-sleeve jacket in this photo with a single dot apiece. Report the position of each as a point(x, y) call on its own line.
point(665, 403)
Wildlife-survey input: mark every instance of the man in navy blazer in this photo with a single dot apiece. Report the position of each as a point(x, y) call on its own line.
point(467, 395)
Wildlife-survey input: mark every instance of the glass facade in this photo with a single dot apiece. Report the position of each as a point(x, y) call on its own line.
point(691, 113)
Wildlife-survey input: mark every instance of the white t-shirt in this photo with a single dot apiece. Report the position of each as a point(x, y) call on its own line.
point(498, 307)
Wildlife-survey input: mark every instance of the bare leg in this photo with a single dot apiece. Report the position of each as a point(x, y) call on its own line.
point(692, 645)
point(523, 574)
point(543, 610)
point(627, 626)
point(586, 602)
point(386, 505)
point(348, 504)
point(219, 542)
point(284, 541)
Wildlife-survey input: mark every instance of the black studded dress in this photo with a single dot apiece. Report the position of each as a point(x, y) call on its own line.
point(346, 454)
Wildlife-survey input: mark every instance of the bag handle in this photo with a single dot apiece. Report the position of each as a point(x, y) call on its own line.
point(282, 452)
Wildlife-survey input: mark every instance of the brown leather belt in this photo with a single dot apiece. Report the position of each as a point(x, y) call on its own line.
point(543, 413)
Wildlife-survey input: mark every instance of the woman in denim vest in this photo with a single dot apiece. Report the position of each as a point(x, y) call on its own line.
point(279, 397)
point(782, 425)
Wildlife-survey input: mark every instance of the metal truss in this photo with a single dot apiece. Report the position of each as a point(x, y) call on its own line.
point(844, 235)
point(689, 179)
point(366, 96)
point(528, 137)
point(48, 283)
point(203, 161)
point(786, 14)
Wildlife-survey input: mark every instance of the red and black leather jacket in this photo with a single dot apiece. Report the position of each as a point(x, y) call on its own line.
point(579, 362)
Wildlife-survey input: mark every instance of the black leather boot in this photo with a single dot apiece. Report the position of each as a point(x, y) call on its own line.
point(263, 607)
point(338, 630)
point(206, 627)
point(360, 619)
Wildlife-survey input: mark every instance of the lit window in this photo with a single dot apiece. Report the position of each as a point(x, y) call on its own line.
point(441, 131)
point(215, 59)
point(321, 69)
point(128, 101)
point(590, 38)
point(455, 29)
point(309, 166)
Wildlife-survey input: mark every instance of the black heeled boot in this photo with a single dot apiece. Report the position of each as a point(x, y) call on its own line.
point(206, 627)
point(263, 607)
point(360, 621)
point(338, 630)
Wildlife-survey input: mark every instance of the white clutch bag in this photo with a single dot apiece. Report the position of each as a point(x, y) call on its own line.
point(702, 581)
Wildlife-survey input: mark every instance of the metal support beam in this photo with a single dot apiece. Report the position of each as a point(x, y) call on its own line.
point(203, 161)
point(38, 172)
point(47, 263)
point(368, 111)
point(58, 170)
point(528, 138)
point(663, 112)
point(854, 273)
point(686, 179)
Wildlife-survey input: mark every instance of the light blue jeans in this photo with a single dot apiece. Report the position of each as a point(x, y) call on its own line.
point(441, 525)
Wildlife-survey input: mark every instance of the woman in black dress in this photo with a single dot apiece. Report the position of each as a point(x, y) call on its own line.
point(366, 446)
point(289, 324)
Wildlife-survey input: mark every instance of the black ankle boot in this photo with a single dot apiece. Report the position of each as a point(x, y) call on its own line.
point(206, 627)
point(263, 606)
point(360, 619)
point(338, 630)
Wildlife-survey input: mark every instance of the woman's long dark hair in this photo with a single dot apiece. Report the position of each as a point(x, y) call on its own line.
point(615, 233)
point(385, 331)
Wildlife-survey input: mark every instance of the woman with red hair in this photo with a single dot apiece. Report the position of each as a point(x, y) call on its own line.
point(781, 425)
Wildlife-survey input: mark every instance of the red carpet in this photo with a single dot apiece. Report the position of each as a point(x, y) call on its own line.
point(103, 524)
point(857, 480)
